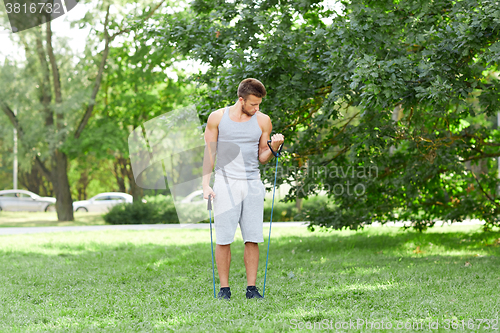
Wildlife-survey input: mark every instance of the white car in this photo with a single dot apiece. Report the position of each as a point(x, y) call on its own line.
point(102, 202)
point(195, 197)
point(22, 200)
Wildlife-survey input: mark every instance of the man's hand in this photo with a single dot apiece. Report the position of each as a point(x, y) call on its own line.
point(276, 141)
point(207, 190)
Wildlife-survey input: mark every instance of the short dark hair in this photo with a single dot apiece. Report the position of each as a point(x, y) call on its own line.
point(251, 87)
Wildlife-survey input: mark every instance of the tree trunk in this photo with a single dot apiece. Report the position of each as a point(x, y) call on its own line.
point(137, 192)
point(64, 204)
point(82, 184)
point(126, 169)
point(298, 204)
point(298, 201)
point(35, 182)
point(119, 175)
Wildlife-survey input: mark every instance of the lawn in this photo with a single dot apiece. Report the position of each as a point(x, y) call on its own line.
point(161, 280)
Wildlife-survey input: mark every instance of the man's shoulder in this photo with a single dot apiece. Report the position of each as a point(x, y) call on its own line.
point(216, 116)
point(263, 119)
point(261, 115)
point(218, 112)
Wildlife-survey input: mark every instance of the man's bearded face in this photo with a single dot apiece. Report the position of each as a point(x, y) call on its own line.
point(251, 105)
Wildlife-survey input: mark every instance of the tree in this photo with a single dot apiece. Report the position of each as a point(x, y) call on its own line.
point(136, 89)
point(56, 113)
point(334, 89)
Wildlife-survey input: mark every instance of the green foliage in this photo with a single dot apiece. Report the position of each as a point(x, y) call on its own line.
point(159, 209)
point(135, 87)
point(282, 212)
point(287, 211)
point(333, 90)
point(165, 206)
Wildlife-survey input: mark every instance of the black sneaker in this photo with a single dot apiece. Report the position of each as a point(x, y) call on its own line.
point(224, 293)
point(253, 292)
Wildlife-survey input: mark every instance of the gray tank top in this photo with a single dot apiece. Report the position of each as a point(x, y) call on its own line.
point(237, 153)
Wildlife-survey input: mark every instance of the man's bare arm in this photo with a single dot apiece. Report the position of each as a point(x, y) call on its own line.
point(211, 135)
point(265, 154)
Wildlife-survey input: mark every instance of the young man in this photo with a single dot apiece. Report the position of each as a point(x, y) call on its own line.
point(238, 135)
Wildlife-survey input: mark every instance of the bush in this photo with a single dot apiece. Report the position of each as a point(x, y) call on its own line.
point(165, 207)
point(315, 201)
point(284, 212)
point(156, 209)
point(161, 209)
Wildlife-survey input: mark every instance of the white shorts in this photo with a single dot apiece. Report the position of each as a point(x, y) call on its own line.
point(238, 201)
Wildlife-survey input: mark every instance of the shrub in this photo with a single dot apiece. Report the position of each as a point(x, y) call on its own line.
point(156, 209)
point(161, 209)
point(165, 207)
point(283, 212)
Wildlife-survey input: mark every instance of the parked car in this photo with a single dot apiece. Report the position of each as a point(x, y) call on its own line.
point(195, 197)
point(22, 200)
point(102, 202)
point(192, 208)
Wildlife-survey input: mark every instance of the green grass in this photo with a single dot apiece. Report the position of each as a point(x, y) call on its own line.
point(47, 219)
point(161, 280)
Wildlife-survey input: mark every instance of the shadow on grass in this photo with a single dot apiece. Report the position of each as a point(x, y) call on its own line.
point(393, 243)
point(365, 243)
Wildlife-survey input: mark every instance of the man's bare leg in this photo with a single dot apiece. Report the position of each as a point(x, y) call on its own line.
point(251, 258)
point(223, 260)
